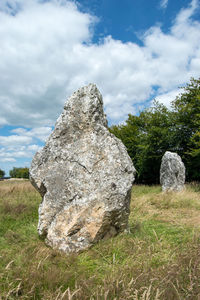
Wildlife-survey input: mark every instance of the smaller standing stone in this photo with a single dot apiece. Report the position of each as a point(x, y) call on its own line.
point(172, 172)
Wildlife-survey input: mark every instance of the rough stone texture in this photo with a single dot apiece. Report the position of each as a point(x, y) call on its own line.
point(84, 175)
point(172, 172)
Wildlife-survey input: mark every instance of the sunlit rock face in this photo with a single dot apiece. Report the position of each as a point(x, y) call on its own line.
point(84, 175)
point(172, 172)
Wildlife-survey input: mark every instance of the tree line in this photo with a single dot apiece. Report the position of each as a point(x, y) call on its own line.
point(17, 173)
point(159, 129)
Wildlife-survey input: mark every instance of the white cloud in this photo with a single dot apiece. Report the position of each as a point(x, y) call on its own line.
point(14, 140)
point(19, 146)
point(3, 121)
point(16, 148)
point(34, 148)
point(7, 159)
point(16, 155)
point(168, 97)
point(35, 64)
point(163, 4)
point(42, 62)
point(18, 151)
point(40, 133)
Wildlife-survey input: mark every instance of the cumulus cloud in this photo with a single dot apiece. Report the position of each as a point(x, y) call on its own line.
point(16, 151)
point(35, 65)
point(40, 133)
point(168, 97)
point(14, 140)
point(7, 159)
point(21, 145)
point(43, 62)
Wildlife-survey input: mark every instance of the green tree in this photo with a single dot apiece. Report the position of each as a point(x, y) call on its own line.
point(146, 138)
point(157, 129)
point(187, 121)
point(128, 133)
point(19, 172)
point(156, 137)
point(2, 173)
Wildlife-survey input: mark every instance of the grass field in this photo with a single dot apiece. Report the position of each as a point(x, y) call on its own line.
point(158, 259)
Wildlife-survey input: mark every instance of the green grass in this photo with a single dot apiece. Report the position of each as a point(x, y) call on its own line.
point(158, 259)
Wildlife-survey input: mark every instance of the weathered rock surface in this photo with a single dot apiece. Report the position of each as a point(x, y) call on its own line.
point(84, 175)
point(172, 172)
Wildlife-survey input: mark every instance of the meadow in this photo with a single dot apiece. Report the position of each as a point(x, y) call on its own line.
point(159, 259)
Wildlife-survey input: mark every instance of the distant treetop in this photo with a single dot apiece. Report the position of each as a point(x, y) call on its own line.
point(2, 173)
point(19, 172)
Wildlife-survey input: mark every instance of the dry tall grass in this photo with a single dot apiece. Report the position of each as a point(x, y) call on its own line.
point(158, 259)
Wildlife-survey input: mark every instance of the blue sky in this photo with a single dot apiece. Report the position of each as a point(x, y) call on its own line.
point(134, 50)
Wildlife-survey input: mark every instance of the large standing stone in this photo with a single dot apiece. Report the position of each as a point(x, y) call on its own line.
point(84, 175)
point(172, 172)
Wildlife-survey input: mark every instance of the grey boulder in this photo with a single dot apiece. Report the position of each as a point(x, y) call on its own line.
point(172, 172)
point(84, 175)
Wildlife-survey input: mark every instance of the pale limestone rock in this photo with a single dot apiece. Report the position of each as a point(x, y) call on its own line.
point(172, 172)
point(84, 175)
